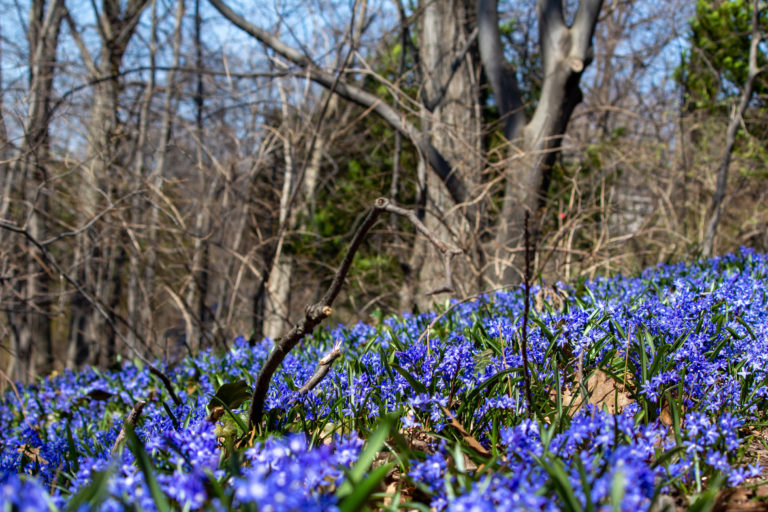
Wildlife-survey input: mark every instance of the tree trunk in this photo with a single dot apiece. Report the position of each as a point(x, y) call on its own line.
point(6, 175)
point(138, 202)
point(566, 51)
point(734, 122)
point(101, 176)
point(34, 329)
point(197, 296)
point(155, 179)
point(278, 290)
point(449, 69)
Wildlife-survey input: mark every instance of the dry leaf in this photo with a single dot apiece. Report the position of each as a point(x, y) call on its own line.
point(665, 416)
point(471, 441)
point(32, 454)
point(603, 391)
point(553, 297)
point(216, 414)
point(739, 500)
point(419, 440)
point(390, 492)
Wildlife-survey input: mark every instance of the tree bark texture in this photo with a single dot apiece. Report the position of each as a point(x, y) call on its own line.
point(101, 176)
point(566, 52)
point(449, 67)
point(34, 330)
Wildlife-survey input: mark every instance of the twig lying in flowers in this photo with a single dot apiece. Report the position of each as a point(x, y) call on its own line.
point(323, 367)
point(131, 420)
point(319, 311)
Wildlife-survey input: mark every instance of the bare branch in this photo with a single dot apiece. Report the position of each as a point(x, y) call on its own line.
point(359, 96)
point(131, 420)
point(319, 311)
point(323, 367)
point(85, 54)
point(433, 103)
point(583, 29)
point(500, 75)
point(447, 252)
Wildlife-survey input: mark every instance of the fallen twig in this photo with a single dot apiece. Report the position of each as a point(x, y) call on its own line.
point(323, 367)
point(468, 438)
point(319, 311)
point(131, 420)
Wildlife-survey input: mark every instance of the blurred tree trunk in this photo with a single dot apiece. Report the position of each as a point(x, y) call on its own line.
point(34, 328)
point(6, 177)
point(137, 320)
point(102, 178)
point(8, 183)
point(533, 144)
point(450, 119)
point(197, 295)
point(278, 289)
point(154, 181)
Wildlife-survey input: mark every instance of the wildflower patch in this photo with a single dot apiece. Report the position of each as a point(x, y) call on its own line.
point(645, 390)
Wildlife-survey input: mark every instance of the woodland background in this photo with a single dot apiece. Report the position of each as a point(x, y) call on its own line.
point(175, 173)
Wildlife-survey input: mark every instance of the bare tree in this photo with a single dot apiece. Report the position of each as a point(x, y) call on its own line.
point(566, 49)
point(99, 253)
point(566, 52)
point(735, 121)
point(187, 187)
point(33, 326)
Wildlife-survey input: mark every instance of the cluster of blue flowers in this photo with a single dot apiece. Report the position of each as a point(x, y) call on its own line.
point(686, 347)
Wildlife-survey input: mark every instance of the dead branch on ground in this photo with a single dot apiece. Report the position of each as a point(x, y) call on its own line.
point(319, 311)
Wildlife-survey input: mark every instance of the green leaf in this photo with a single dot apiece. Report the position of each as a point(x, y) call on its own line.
point(556, 471)
point(372, 448)
point(415, 384)
point(74, 456)
point(232, 395)
point(487, 383)
point(361, 492)
point(92, 494)
point(705, 501)
point(145, 465)
point(748, 327)
point(617, 490)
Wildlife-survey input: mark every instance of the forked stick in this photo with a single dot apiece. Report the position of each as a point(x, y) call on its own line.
point(319, 311)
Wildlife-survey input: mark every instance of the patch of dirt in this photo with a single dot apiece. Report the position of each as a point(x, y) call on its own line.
point(742, 499)
point(752, 496)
